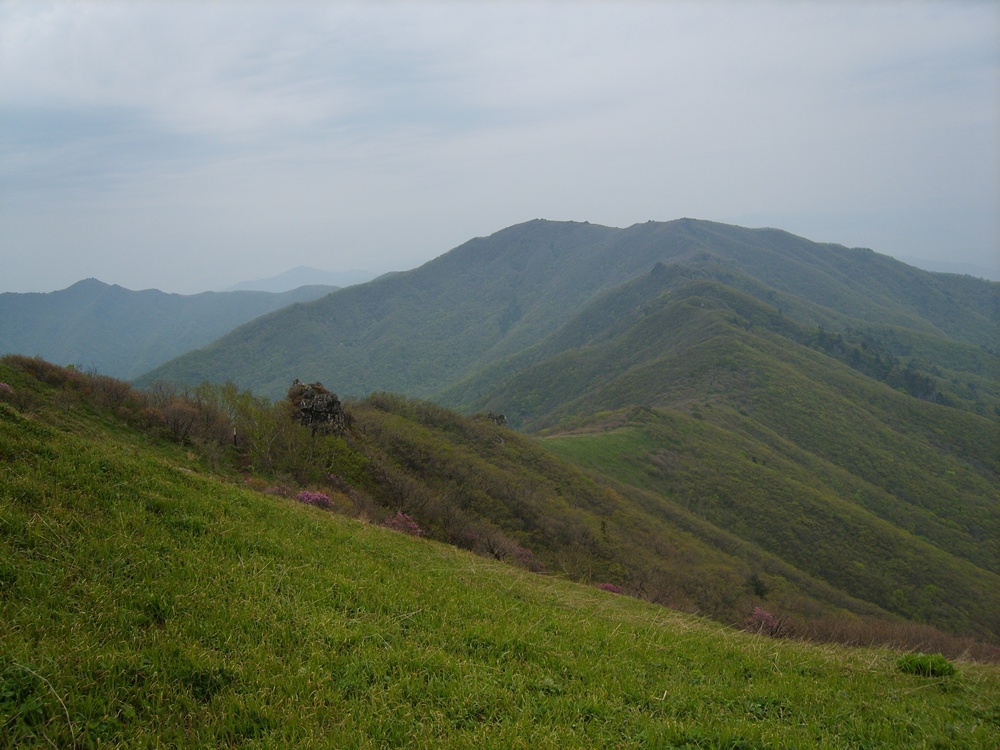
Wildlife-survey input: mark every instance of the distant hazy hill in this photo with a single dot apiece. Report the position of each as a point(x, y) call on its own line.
point(125, 333)
point(422, 331)
point(303, 276)
point(992, 273)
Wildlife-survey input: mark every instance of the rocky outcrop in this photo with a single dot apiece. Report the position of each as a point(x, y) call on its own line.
point(317, 408)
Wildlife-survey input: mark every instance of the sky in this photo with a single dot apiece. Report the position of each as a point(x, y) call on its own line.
point(187, 146)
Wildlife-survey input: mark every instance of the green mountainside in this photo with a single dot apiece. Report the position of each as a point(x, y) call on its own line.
point(125, 333)
point(151, 595)
point(682, 511)
point(419, 332)
point(878, 478)
point(829, 410)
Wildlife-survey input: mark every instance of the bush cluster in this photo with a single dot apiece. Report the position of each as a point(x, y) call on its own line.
point(403, 523)
point(319, 499)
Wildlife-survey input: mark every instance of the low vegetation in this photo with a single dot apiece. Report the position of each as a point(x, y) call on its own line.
point(421, 468)
point(742, 418)
point(151, 596)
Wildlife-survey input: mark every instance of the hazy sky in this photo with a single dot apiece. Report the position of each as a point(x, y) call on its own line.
point(187, 146)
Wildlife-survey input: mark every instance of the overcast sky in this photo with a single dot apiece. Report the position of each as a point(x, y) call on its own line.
point(187, 146)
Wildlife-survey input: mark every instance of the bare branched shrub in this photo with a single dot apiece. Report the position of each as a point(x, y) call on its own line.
point(398, 489)
point(490, 541)
point(909, 636)
point(180, 417)
point(108, 391)
point(161, 393)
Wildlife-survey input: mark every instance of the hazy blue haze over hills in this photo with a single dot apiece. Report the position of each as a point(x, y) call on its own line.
point(963, 269)
point(124, 333)
point(303, 276)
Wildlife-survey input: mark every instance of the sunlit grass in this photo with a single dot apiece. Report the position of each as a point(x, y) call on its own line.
point(145, 603)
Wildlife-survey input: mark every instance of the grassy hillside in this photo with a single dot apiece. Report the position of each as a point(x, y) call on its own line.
point(875, 477)
point(145, 602)
point(482, 487)
point(420, 332)
point(125, 333)
point(488, 489)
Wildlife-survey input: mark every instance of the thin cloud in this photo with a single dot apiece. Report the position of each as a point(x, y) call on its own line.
point(183, 145)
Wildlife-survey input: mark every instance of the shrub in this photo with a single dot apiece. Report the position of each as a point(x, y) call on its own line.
point(762, 621)
point(318, 499)
point(610, 587)
point(110, 392)
point(902, 636)
point(43, 371)
point(925, 665)
point(180, 418)
point(404, 523)
point(20, 398)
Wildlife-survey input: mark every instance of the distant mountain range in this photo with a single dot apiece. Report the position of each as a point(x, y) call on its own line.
point(125, 333)
point(811, 407)
point(303, 276)
point(424, 331)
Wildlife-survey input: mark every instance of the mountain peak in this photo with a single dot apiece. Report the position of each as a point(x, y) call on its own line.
point(89, 283)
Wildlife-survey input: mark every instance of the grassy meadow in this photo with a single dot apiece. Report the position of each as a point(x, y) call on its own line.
point(146, 601)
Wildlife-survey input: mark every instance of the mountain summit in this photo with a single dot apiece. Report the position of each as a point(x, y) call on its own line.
point(425, 330)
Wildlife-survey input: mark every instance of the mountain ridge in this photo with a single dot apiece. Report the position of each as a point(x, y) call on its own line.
point(122, 332)
point(494, 296)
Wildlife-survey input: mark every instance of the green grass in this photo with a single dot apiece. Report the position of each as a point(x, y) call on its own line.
point(715, 403)
point(145, 602)
point(790, 505)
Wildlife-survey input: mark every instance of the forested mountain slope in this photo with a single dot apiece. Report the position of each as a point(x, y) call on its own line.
point(873, 476)
point(125, 333)
point(422, 331)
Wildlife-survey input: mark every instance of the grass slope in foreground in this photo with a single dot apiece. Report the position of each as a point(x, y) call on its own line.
point(146, 603)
